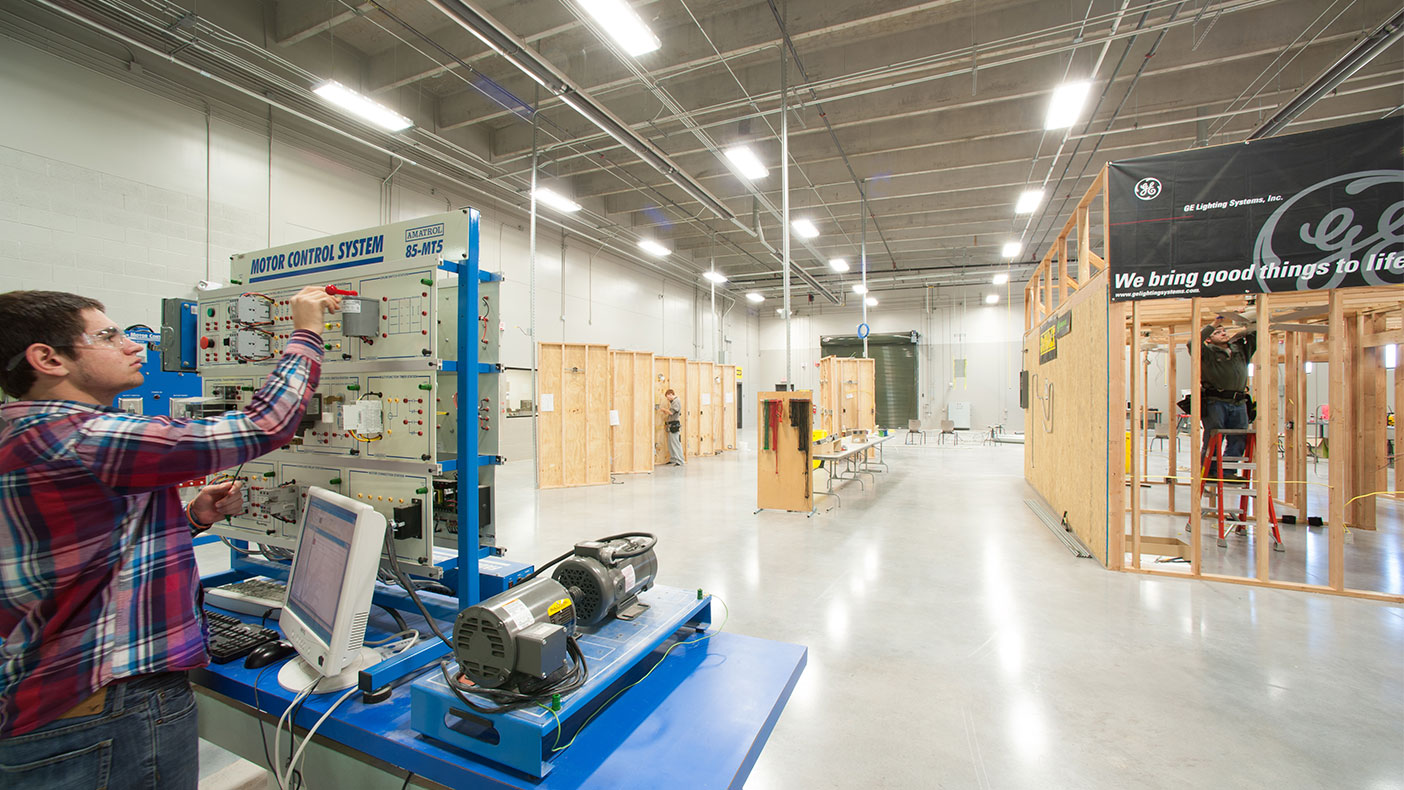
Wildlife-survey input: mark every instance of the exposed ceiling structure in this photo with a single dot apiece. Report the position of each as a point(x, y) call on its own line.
point(914, 126)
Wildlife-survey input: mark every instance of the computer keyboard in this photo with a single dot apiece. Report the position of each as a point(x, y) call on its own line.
point(259, 597)
point(232, 638)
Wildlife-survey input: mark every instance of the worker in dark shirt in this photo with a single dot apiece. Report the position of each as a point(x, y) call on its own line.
point(1223, 383)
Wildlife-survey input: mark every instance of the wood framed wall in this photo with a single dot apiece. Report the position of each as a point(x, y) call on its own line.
point(718, 411)
point(729, 405)
point(784, 468)
point(707, 408)
point(1085, 426)
point(668, 373)
point(632, 407)
point(573, 397)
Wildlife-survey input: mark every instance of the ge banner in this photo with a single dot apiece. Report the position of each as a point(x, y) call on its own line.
point(1302, 212)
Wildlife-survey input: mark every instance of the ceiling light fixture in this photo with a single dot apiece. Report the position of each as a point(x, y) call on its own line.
point(362, 107)
point(745, 162)
point(714, 276)
point(755, 298)
point(991, 298)
point(1028, 201)
point(1066, 104)
point(804, 228)
point(870, 301)
point(1001, 278)
point(623, 25)
point(860, 288)
point(838, 264)
point(653, 248)
point(1011, 249)
point(555, 200)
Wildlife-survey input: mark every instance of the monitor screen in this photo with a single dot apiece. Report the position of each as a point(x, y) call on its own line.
point(323, 551)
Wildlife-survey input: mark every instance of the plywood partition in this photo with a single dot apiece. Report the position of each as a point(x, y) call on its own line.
point(692, 411)
point(573, 396)
point(668, 373)
point(707, 407)
point(847, 394)
point(727, 380)
point(784, 469)
point(631, 410)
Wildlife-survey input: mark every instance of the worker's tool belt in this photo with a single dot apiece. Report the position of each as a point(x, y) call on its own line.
point(674, 426)
point(1210, 392)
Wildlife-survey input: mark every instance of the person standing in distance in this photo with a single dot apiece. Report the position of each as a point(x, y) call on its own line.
point(673, 422)
point(99, 608)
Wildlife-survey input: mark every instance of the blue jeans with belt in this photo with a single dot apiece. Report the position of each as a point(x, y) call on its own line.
point(144, 737)
point(1225, 414)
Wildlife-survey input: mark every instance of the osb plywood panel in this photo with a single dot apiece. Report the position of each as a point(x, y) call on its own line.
point(828, 395)
point(692, 413)
point(631, 440)
point(706, 409)
point(727, 388)
point(784, 472)
point(573, 434)
point(669, 373)
point(1065, 434)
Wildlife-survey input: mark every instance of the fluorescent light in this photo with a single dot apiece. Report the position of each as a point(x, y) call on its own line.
point(860, 288)
point(1011, 249)
point(745, 162)
point(1001, 278)
point(714, 276)
point(755, 298)
point(623, 25)
point(1028, 201)
point(1066, 104)
point(362, 107)
point(838, 264)
point(804, 228)
point(653, 248)
point(870, 301)
point(1250, 370)
point(991, 298)
point(1391, 358)
point(555, 200)
point(1307, 366)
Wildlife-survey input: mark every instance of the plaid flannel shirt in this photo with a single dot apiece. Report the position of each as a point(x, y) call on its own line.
point(97, 573)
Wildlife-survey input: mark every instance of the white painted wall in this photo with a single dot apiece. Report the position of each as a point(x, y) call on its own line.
point(988, 337)
point(129, 197)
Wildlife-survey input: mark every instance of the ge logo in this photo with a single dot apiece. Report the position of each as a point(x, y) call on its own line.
point(1147, 188)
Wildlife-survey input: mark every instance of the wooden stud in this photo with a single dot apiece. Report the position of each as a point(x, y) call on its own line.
point(1137, 415)
point(1116, 436)
point(1172, 415)
point(1196, 520)
point(1265, 391)
point(1338, 458)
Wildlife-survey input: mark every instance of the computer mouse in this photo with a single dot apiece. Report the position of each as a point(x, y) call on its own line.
point(267, 653)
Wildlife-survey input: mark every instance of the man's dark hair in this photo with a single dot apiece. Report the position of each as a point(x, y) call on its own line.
point(53, 318)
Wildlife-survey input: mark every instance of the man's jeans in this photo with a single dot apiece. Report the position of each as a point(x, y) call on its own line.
point(1225, 414)
point(145, 737)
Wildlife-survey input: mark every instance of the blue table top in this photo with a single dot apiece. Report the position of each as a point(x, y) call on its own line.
point(700, 720)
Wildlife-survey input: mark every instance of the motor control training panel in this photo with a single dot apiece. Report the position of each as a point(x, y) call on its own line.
point(383, 425)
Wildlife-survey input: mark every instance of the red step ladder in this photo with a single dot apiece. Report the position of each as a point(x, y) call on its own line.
point(1214, 458)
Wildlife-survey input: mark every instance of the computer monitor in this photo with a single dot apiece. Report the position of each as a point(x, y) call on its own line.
point(329, 591)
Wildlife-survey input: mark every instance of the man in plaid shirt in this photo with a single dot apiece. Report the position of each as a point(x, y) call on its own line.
point(98, 583)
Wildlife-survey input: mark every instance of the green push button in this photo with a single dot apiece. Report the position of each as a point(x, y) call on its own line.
point(210, 312)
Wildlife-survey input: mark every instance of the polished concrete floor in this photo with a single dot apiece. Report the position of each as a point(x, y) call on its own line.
point(954, 643)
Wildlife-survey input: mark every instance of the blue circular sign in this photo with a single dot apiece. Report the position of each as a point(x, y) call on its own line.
point(863, 330)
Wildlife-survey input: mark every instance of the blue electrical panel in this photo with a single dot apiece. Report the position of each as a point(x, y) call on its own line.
point(160, 386)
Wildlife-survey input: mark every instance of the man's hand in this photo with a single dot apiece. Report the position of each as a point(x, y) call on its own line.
point(217, 501)
point(310, 305)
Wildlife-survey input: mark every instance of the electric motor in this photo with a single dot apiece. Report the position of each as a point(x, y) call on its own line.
point(604, 577)
point(517, 633)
